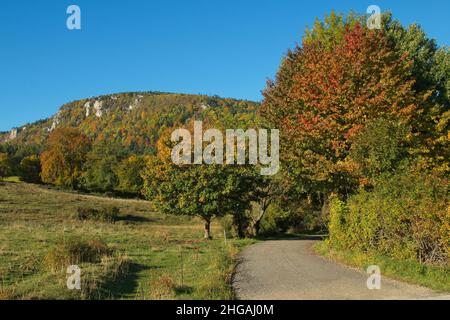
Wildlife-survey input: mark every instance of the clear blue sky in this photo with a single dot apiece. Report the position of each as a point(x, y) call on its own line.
point(226, 47)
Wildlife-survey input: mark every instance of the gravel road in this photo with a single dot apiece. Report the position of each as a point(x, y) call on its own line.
point(289, 270)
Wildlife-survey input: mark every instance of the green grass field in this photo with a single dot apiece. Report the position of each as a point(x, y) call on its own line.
point(154, 256)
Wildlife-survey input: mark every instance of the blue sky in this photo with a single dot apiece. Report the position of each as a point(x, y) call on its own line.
point(227, 47)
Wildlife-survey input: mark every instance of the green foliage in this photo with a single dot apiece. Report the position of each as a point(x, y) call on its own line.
point(379, 147)
point(404, 217)
point(99, 169)
point(30, 169)
point(331, 30)
point(274, 222)
point(431, 71)
point(128, 173)
point(297, 215)
point(337, 226)
point(105, 214)
point(206, 191)
point(6, 165)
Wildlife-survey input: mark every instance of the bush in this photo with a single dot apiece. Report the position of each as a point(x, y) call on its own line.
point(74, 251)
point(163, 288)
point(404, 217)
point(106, 214)
point(97, 282)
point(6, 165)
point(30, 169)
point(7, 294)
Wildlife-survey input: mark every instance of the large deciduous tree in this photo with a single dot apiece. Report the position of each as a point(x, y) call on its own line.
point(430, 69)
point(325, 93)
point(206, 191)
point(64, 156)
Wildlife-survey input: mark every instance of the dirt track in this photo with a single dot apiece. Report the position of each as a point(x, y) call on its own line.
point(289, 270)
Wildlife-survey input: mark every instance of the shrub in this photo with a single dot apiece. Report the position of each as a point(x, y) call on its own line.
point(96, 283)
point(74, 251)
point(218, 278)
point(7, 294)
point(404, 217)
point(106, 214)
point(6, 165)
point(163, 288)
point(30, 169)
point(337, 226)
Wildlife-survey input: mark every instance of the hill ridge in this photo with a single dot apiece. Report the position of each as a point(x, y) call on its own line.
point(133, 119)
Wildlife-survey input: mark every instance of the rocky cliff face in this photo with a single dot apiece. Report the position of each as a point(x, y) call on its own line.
point(13, 134)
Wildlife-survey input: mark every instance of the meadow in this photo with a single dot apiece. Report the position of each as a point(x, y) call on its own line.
point(141, 254)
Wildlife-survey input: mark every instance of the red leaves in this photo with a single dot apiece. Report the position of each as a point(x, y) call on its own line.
point(324, 96)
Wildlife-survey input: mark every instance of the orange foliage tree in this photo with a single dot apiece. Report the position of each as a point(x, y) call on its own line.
point(323, 97)
point(63, 158)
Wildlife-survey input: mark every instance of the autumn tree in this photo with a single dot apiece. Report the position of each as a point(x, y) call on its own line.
point(430, 69)
point(323, 97)
point(64, 156)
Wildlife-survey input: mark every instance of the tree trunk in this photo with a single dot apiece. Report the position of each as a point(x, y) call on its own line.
point(257, 222)
point(325, 210)
point(240, 231)
point(257, 227)
point(241, 227)
point(208, 229)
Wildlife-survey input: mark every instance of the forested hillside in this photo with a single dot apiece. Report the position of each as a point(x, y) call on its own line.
point(131, 120)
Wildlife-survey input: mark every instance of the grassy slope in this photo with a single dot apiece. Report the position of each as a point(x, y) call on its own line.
point(168, 257)
point(437, 278)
